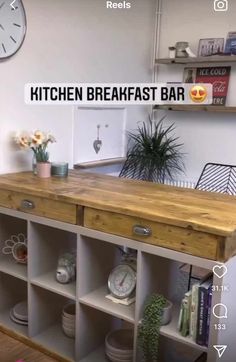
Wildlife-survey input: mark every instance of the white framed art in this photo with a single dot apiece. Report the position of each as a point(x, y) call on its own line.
point(99, 133)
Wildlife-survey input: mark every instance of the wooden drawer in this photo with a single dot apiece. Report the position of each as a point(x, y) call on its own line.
point(40, 206)
point(172, 237)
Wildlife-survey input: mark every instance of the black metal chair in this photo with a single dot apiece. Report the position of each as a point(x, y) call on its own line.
point(216, 177)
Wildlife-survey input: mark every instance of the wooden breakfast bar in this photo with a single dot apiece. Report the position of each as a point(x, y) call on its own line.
point(94, 214)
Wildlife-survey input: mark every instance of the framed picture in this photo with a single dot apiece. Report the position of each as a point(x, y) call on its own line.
point(189, 75)
point(99, 133)
point(210, 46)
point(230, 46)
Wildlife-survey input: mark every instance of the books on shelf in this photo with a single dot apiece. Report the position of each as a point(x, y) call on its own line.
point(195, 312)
point(184, 319)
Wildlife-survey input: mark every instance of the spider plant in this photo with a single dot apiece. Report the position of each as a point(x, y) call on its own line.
point(154, 154)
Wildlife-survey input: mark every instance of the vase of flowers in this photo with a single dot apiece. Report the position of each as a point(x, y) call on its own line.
point(38, 142)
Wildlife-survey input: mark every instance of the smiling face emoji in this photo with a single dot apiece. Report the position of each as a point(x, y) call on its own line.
point(198, 93)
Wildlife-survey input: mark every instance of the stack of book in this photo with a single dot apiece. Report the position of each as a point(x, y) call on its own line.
point(195, 312)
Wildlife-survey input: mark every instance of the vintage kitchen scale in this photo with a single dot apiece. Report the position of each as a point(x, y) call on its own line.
point(122, 279)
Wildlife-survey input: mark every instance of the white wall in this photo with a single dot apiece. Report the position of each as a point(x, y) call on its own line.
point(71, 41)
point(206, 136)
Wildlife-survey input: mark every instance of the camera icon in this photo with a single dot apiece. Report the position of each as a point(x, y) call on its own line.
point(221, 5)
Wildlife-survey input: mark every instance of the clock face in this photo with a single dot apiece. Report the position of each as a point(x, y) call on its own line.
point(12, 27)
point(122, 281)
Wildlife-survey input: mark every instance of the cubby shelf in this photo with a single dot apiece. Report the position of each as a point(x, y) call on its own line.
point(96, 316)
point(48, 281)
point(8, 323)
point(9, 266)
point(54, 338)
point(97, 299)
point(96, 356)
point(170, 331)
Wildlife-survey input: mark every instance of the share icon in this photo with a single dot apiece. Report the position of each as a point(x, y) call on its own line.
point(220, 349)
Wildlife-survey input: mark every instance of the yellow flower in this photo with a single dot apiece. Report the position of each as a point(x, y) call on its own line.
point(37, 138)
point(22, 140)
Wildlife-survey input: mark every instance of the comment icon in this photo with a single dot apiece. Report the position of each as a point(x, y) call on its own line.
point(220, 311)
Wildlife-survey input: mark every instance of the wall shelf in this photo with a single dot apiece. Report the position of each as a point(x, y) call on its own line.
point(100, 163)
point(196, 108)
point(198, 60)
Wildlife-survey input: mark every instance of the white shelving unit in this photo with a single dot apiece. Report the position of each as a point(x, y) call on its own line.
point(97, 254)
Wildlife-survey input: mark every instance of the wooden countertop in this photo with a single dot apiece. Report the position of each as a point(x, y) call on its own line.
point(203, 211)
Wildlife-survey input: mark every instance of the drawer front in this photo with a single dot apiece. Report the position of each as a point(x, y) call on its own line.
point(171, 237)
point(35, 205)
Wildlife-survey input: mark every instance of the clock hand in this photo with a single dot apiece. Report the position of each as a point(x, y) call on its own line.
point(2, 5)
point(123, 279)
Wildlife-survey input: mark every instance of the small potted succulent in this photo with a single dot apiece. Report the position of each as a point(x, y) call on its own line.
point(38, 142)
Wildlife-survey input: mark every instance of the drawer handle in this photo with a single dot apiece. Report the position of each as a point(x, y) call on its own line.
point(26, 204)
point(142, 230)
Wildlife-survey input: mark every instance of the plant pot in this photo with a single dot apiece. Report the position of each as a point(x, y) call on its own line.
point(167, 313)
point(44, 169)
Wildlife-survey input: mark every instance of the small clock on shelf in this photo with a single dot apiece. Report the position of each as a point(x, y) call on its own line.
point(12, 27)
point(122, 281)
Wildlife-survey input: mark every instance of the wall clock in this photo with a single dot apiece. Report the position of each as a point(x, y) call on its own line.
point(12, 27)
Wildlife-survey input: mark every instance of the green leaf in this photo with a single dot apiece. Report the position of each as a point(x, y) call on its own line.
point(153, 153)
point(149, 329)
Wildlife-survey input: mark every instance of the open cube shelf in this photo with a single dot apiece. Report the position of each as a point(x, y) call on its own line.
point(95, 325)
point(12, 291)
point(46, 312)
point(93, 289)
point(47, 244)
point(97, 254)
point(11, 227)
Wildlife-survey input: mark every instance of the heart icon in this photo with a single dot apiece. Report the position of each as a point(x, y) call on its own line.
point(220, 270)
point(97, 145)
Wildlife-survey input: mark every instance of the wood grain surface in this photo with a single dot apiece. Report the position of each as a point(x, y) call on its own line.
point(51, 209)
point(203, 211)
point(12, 350)
point(186, 241)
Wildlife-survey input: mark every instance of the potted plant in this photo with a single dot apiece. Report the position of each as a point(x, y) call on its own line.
point(38, 142)
point(153, 153)
point(157, 311)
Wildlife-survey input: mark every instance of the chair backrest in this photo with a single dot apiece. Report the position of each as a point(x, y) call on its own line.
point(218, 177)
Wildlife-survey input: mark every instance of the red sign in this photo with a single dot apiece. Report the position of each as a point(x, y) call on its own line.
point(217, 76)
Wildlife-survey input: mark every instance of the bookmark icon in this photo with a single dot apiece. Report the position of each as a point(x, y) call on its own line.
point(220, 349)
